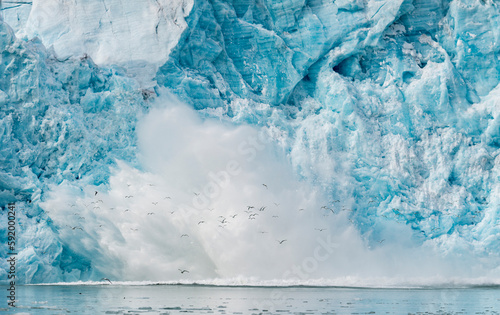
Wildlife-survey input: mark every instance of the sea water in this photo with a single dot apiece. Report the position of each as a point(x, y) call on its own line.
point(204, 299)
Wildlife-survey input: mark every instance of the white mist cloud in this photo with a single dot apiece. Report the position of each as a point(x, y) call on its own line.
point(222, 202)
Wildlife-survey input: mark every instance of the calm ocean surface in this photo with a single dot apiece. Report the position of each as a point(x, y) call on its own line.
point(200, 299)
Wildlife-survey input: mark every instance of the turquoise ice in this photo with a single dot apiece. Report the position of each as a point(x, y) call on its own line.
point(388, 107)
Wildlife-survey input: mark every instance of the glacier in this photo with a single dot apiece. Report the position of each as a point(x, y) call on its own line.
point(134, 136)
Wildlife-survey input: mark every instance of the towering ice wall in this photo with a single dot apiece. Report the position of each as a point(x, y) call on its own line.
point(60, 121)
point(388, 110)
point(389, 105)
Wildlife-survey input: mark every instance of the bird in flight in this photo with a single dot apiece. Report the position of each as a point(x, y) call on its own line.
point(184, 235)
point(320, 230)
point(201, 222)
point(265, 185)
point(155, 203)
point(106, 279)
point(281, 241)
point(196, 194)
point(183, 270)
point(151, 213)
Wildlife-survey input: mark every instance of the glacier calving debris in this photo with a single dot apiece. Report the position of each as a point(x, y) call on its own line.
point(389, 108)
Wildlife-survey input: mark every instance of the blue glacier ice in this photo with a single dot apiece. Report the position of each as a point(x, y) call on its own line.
point(134, 136)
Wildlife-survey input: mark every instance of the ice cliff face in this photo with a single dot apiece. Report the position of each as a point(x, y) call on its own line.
point(388, 104)
point(55, 127)
point(387, 109)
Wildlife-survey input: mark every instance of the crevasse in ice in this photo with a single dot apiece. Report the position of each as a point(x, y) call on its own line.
point(388, 108)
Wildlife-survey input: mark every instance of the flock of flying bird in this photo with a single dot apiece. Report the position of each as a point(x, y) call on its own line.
point(251, 212)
